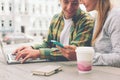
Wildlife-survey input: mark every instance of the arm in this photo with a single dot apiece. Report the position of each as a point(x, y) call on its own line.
point(48, 49)
point(82, 34)
point(112, 58)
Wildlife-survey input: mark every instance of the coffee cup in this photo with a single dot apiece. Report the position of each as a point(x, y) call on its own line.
point(84, 59)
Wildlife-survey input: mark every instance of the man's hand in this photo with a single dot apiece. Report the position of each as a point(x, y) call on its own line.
point(68, 52)
point(26, 53)
point(21, 48)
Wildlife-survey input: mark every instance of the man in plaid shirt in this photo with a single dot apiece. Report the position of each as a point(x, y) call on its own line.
point(70, 27)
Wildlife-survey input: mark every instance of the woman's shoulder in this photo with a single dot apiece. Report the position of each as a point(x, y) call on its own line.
point(115, 11)
point(113, 19)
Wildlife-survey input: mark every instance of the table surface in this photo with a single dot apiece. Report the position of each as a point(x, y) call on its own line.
point(69, 71)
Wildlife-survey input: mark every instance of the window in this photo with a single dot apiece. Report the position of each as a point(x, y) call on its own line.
point(10, 7)
point(26, 7)
point(2, 6)
point(22, 29)
point(10, 23)
point(2, 23)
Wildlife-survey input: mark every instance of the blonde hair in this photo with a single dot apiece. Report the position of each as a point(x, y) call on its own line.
point(103, 6)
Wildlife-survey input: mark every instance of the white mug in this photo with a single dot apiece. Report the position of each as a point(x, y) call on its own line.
point(84, 59)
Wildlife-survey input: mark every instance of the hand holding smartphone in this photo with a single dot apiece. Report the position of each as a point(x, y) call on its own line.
point(57, 43)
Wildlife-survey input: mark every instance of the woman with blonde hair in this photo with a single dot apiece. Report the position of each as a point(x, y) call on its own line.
point(106, 35)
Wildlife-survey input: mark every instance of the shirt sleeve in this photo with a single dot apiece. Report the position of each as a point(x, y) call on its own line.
point(82, 36)
point(47, 49)
point(112, 58)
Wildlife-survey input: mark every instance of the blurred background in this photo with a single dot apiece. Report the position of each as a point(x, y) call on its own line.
point(24, 21)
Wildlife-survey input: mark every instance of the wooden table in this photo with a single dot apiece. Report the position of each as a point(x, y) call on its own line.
point(69, 72)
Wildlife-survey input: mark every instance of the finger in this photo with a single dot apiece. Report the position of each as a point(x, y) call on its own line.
point(19, 49)
point(14, 52)
point(58, 47)
point(64, 51)
point(22, 48)
point(70, 47)
point(73, 46)
point(67, 46)
point(65, 55)
point(20, 55)
point(25, 59)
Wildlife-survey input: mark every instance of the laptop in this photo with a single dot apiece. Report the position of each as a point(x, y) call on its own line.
point(10, 58)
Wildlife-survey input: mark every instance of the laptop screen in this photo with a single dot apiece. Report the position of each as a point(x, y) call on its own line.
point(1, 46)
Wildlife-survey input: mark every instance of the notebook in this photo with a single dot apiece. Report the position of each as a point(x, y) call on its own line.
point(10, 58)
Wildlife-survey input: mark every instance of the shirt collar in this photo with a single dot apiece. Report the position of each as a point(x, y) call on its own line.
point(75, 18)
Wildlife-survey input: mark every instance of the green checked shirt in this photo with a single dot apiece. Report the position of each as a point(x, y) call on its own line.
point(80, 34)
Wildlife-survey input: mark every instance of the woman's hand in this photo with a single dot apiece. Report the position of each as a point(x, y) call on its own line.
point(68, 52)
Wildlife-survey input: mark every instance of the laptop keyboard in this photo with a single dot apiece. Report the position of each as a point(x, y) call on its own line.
point(12, 56)
point(12, 59)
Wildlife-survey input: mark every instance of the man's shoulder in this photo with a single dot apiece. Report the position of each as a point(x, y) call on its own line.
point(83, 15)
point(84, 18)
point(57, 15)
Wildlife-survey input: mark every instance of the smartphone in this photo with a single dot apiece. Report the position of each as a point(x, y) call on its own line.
point(57, 43)
point(47, 70)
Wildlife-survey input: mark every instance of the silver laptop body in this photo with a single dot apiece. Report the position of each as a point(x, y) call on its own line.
point(10, 58)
